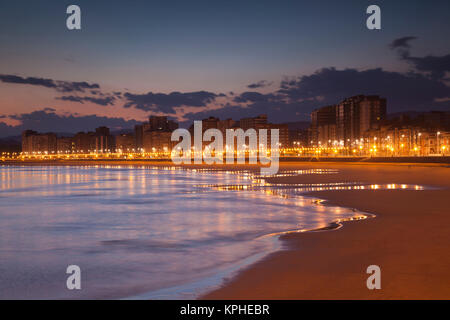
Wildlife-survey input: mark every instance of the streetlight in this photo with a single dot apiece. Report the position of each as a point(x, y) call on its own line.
point(438, 141)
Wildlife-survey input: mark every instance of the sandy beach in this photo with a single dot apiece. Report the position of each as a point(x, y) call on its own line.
point(409, 238)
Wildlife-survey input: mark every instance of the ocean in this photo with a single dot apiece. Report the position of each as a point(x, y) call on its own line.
point(143, 232)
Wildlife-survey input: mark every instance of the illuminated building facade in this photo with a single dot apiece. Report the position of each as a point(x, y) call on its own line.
point(39, 143)
point(345, 123)
point(125, 143)
point(422, 135)
point(64, 145)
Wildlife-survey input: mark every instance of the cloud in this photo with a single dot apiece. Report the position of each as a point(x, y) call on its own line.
point(250, 96)
point(259, 84)
point(108, 100)
point(161, 102)
point(401, 42)
point(403, 91)
point(60, 86)
point(297, 97)
point(435, 66)
point(47, 120)
point(103, 99)
point(8, 131)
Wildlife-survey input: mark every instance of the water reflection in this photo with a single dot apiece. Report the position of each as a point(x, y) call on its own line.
point(277, 188)
point(139, 229)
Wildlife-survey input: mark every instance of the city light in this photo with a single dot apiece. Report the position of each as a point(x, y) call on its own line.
point(326, 137)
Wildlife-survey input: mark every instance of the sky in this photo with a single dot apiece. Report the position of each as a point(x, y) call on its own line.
point(231, 59)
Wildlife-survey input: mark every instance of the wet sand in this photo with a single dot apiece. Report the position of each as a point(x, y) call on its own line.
point(409, 239)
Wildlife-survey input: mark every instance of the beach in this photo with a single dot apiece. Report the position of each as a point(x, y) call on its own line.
point(409, 239)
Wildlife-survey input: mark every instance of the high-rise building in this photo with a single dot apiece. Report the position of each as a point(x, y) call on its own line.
point(155, 123)
point(372, 113)
point(161, 123)
point(253, 123)
point(139, 136)
point(33, 142)
point(100, 141)
point(104, 141)
point(84, 142)
point(323, 125)
point(125, 142)
point(346, 122)
point(223, 125)
point(64, 145)
point(158, 141)
point(155, 134)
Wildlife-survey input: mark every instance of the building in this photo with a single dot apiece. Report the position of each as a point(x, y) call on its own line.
point(256, 123)
point(372, 113)
point(104, 141)
point(158, 141)
point(84, 142)
point(155, 135)
point(139, 130)
point(323, 125)
point(64, 145)
point(161, 123)
point(260, 122)
point(298, 137)
point(38, 143)
point(345, 123)
point(327, 135)
point(424, 134)
point(100, 141)
point(155, 123)
point(253, 123)
point(223, 125)
point(125, 143)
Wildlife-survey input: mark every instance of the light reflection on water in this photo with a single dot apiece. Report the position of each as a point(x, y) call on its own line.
point(134, 230)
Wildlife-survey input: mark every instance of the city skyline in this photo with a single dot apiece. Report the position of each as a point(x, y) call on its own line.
point(355, 126)
point(281, 60)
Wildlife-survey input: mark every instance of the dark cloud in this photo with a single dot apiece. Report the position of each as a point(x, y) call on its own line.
point(46, 120)
point(297, 97)
point(8, 131)
point(166, 102)
point(107, 100)
point(435, 66)
point(404, 91)
point(259, 84)
point(250, 96)
point(61, 86)
point(65, 86)
point(29, 80)
point(401, 42)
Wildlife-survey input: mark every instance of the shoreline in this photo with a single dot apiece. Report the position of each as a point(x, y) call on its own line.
point(399, 160)
point(409, 238)
point(283, 165)
point(204, 286)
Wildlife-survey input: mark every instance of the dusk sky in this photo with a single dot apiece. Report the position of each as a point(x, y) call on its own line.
point(193, 59)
